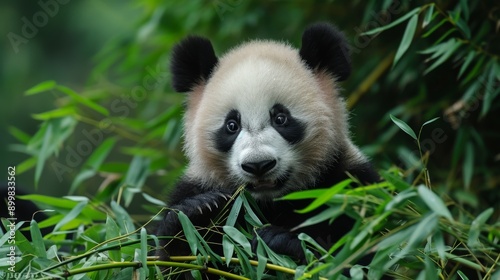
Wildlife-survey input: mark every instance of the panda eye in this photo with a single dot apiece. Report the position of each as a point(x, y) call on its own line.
point(281, 119)
point(232, 126)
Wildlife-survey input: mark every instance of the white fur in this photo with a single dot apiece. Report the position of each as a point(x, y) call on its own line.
point(251, 79)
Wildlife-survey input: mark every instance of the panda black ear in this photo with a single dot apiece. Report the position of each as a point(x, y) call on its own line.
point(324, 47)
point(193, 60)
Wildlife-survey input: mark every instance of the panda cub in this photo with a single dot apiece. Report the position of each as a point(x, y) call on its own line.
point(269, 117)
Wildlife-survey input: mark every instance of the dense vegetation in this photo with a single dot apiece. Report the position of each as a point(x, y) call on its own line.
point(424, 102)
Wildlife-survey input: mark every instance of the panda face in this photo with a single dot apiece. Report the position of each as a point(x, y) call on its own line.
point(263, 120)
point(259, 144)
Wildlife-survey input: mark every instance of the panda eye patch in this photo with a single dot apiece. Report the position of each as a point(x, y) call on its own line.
point(232, 126)
point(288, 126)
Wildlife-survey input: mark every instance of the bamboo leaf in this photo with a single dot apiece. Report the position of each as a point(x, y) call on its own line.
point(392, 24)
point(428, 33)
point(406, 128)
point(448, 48)
point(476, 225)
point(407, 38)
point(464, 7)
point(71, 215)
point(228, 249)
point(434, 202)
point(467, 61)
point(326, 196)
point(462, 25)
point(19, 135)
point(82, 100)
point(189, 231)
point(37, 240)
point(41, 87)
point(57, 113)
point(429, 16)
point(239, 238)
point(430, 121)
point(468, 165)
point(327, 214)
point(44, 153)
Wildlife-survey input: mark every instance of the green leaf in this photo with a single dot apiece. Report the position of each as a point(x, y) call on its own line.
point(25, 165)
point(468, 165)
point(71, 215)
point(79, 178)
point(404, 126)
point(462, 25)
point(44, 153)
point(396, 181)
point(428, 33)
point(329, 213)
point(112, 231)
point(419, 232)
point(235, 212)
point(467, 61)
point(64, 204)
point(429, 16)
point(190, 232)
point(439, 244)
point(305, 194)
point(37, 240)
point(19, 134)
point(434, 202)
point(228, 249)
point(135, 178)
point(100, 154)
point(41, 87)
point(82, 100)
point(446, 50)
point(57, 113)
point(392, 24)
point(490, 91)
point(239, 238)
point(326, 196)
point(125, 222)
point(400, 198)
point(430, 121)
point(476, 225)
point(407, 38)
point(463, 276)
point(464, 7)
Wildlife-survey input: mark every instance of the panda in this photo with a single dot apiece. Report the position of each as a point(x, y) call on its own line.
point(268, 117)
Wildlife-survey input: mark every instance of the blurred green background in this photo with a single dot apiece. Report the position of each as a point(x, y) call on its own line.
point(105, 52)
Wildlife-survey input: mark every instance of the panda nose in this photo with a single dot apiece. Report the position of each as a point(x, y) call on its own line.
point(258, 168)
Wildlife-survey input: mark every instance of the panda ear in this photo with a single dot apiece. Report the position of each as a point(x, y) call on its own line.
point(324, 47)
point(193, 60)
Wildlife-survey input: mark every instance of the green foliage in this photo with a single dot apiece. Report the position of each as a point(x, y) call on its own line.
point(114, 144)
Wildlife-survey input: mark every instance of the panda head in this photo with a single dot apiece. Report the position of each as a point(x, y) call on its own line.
point(264, 115)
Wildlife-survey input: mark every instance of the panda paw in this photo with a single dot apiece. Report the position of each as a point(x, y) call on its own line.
point(201, 209)
point(281, 241)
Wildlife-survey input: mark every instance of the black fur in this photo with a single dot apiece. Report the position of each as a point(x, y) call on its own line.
point(190, 196)
point(325, 48)
point(193, 60)
point(200, 205)
point(224, 139)
point(293, 130)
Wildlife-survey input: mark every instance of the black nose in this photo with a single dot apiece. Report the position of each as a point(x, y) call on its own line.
point(259, 168)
